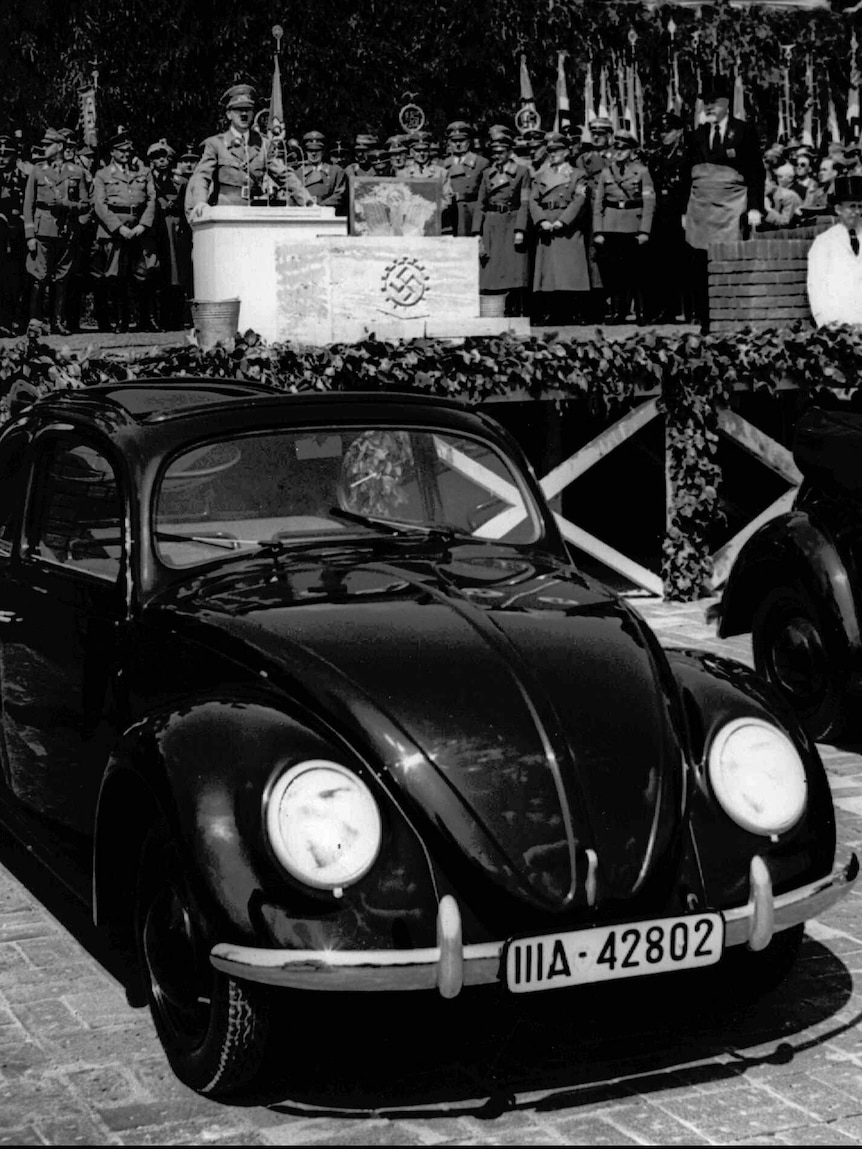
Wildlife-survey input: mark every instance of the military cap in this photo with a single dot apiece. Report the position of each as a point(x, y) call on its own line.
point(190, 154)
point(239, 96)
point(500, 132)
point(459, 130)
point(8, 145)
point(337, 150)
point(314, 137)
point(670, 121)
point(161, 147)
point(627, 139)
point(847, 188)
point(52, 136)
point(120, 139)
point(70, 136)
point(601, 124)
point(420, 136)
point(375, 155)
point(364, 140)
point(556, 140)
point(396, 144)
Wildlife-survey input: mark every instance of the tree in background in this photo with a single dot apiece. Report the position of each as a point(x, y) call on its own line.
point(164, 64)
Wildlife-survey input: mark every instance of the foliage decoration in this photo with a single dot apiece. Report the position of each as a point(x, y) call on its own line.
point(695, 376)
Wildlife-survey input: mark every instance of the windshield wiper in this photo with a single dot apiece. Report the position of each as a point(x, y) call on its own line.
point(398, 526)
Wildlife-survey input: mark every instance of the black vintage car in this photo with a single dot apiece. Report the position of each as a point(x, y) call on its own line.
point(797, 582)
point(304, 692)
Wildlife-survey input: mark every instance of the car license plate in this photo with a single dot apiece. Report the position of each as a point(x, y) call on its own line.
point(606, 953)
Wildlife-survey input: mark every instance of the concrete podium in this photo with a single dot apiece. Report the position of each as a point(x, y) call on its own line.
point(300, 278)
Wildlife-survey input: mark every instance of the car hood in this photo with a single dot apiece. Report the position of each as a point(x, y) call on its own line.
point(525, 710)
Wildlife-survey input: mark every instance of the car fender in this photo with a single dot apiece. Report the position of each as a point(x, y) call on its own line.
point(204, 769)
point(714, 691)
point(794, 549)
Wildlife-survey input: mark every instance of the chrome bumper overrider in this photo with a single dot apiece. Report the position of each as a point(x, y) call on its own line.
point(450, 965)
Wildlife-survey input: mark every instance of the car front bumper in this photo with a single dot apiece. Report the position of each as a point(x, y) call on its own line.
point(451, 965)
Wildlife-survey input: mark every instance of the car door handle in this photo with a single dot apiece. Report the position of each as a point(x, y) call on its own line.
point(10, 616)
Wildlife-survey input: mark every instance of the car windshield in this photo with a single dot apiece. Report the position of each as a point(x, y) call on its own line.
point(249, 491)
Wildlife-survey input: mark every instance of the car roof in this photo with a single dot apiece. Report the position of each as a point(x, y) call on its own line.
point(148, 401)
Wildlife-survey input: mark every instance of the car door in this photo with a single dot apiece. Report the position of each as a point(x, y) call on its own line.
point(63, 592)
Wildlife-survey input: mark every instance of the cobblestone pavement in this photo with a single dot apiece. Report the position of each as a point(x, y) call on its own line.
point(680, 1066)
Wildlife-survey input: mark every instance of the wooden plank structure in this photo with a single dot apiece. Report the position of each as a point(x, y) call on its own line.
point(759, 445)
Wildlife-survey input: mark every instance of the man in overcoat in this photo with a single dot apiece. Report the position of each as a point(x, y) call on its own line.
point(464, 168)
point(559, 196)
point(500, 220)
point(325, 182)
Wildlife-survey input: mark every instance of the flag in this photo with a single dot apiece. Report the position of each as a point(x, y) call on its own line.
point(589, 104)
point(808, 119)
point(89, 134)
point(527, 99)
point(276, 109)
point(604, 111)
point(639, 105)
point(563, 118)
point(834, 130)
point(738, 112)
point(630, 101)
point(853, 111)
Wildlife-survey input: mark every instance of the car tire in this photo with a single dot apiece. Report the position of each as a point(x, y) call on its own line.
point(749, 975)
point(795, 653)
point(213, 1027)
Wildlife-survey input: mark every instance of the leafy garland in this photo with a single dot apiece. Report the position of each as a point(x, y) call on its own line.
point(696, 376)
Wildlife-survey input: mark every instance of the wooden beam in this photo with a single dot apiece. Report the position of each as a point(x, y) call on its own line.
point(612, 558)
point(725, 556)
point(587, 456)
point(764, 448)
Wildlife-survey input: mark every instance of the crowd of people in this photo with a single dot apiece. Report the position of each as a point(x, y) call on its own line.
point(606, 231)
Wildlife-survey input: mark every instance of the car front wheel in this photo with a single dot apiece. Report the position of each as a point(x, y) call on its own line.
point(793, 651)
point(214, 1028)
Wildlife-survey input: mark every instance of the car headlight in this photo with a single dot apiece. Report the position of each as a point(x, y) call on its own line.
point(323, 824)
point(758, 776)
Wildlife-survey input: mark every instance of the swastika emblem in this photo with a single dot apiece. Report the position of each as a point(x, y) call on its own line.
point(405, 282)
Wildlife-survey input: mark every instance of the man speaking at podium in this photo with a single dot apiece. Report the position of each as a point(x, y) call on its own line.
point(234, 163)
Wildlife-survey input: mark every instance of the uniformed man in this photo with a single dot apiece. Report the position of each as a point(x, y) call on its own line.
point(56, 201)
point(172, 235)
point(325, 182)
point(667, 253)
point(623, 211)
point(397, 148)
point(13, 249)
point(464, 168)
point(500, 220)
point(379, 160)
point(559, 209)
point(361, 165)
point(124, 255)
point(186, 163)
point(233, 164)
point(79, 277)
point(594, 157)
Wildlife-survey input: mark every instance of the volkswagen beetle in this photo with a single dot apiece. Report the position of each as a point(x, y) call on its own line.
point(304, 692)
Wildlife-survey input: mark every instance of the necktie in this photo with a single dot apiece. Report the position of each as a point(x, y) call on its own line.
point(713, 140)
point(854, 241)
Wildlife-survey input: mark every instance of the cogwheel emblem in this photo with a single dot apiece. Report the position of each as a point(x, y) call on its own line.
point(405, 282)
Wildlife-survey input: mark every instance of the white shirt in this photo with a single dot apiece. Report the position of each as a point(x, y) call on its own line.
point(835, 278)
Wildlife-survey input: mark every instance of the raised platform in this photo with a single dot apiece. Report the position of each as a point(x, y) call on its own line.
point(300, 279)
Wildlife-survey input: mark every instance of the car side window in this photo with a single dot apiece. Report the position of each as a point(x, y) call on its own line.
point(13, 477)
point(77, 517)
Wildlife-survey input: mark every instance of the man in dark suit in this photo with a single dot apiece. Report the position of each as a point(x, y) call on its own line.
point(727, 183)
